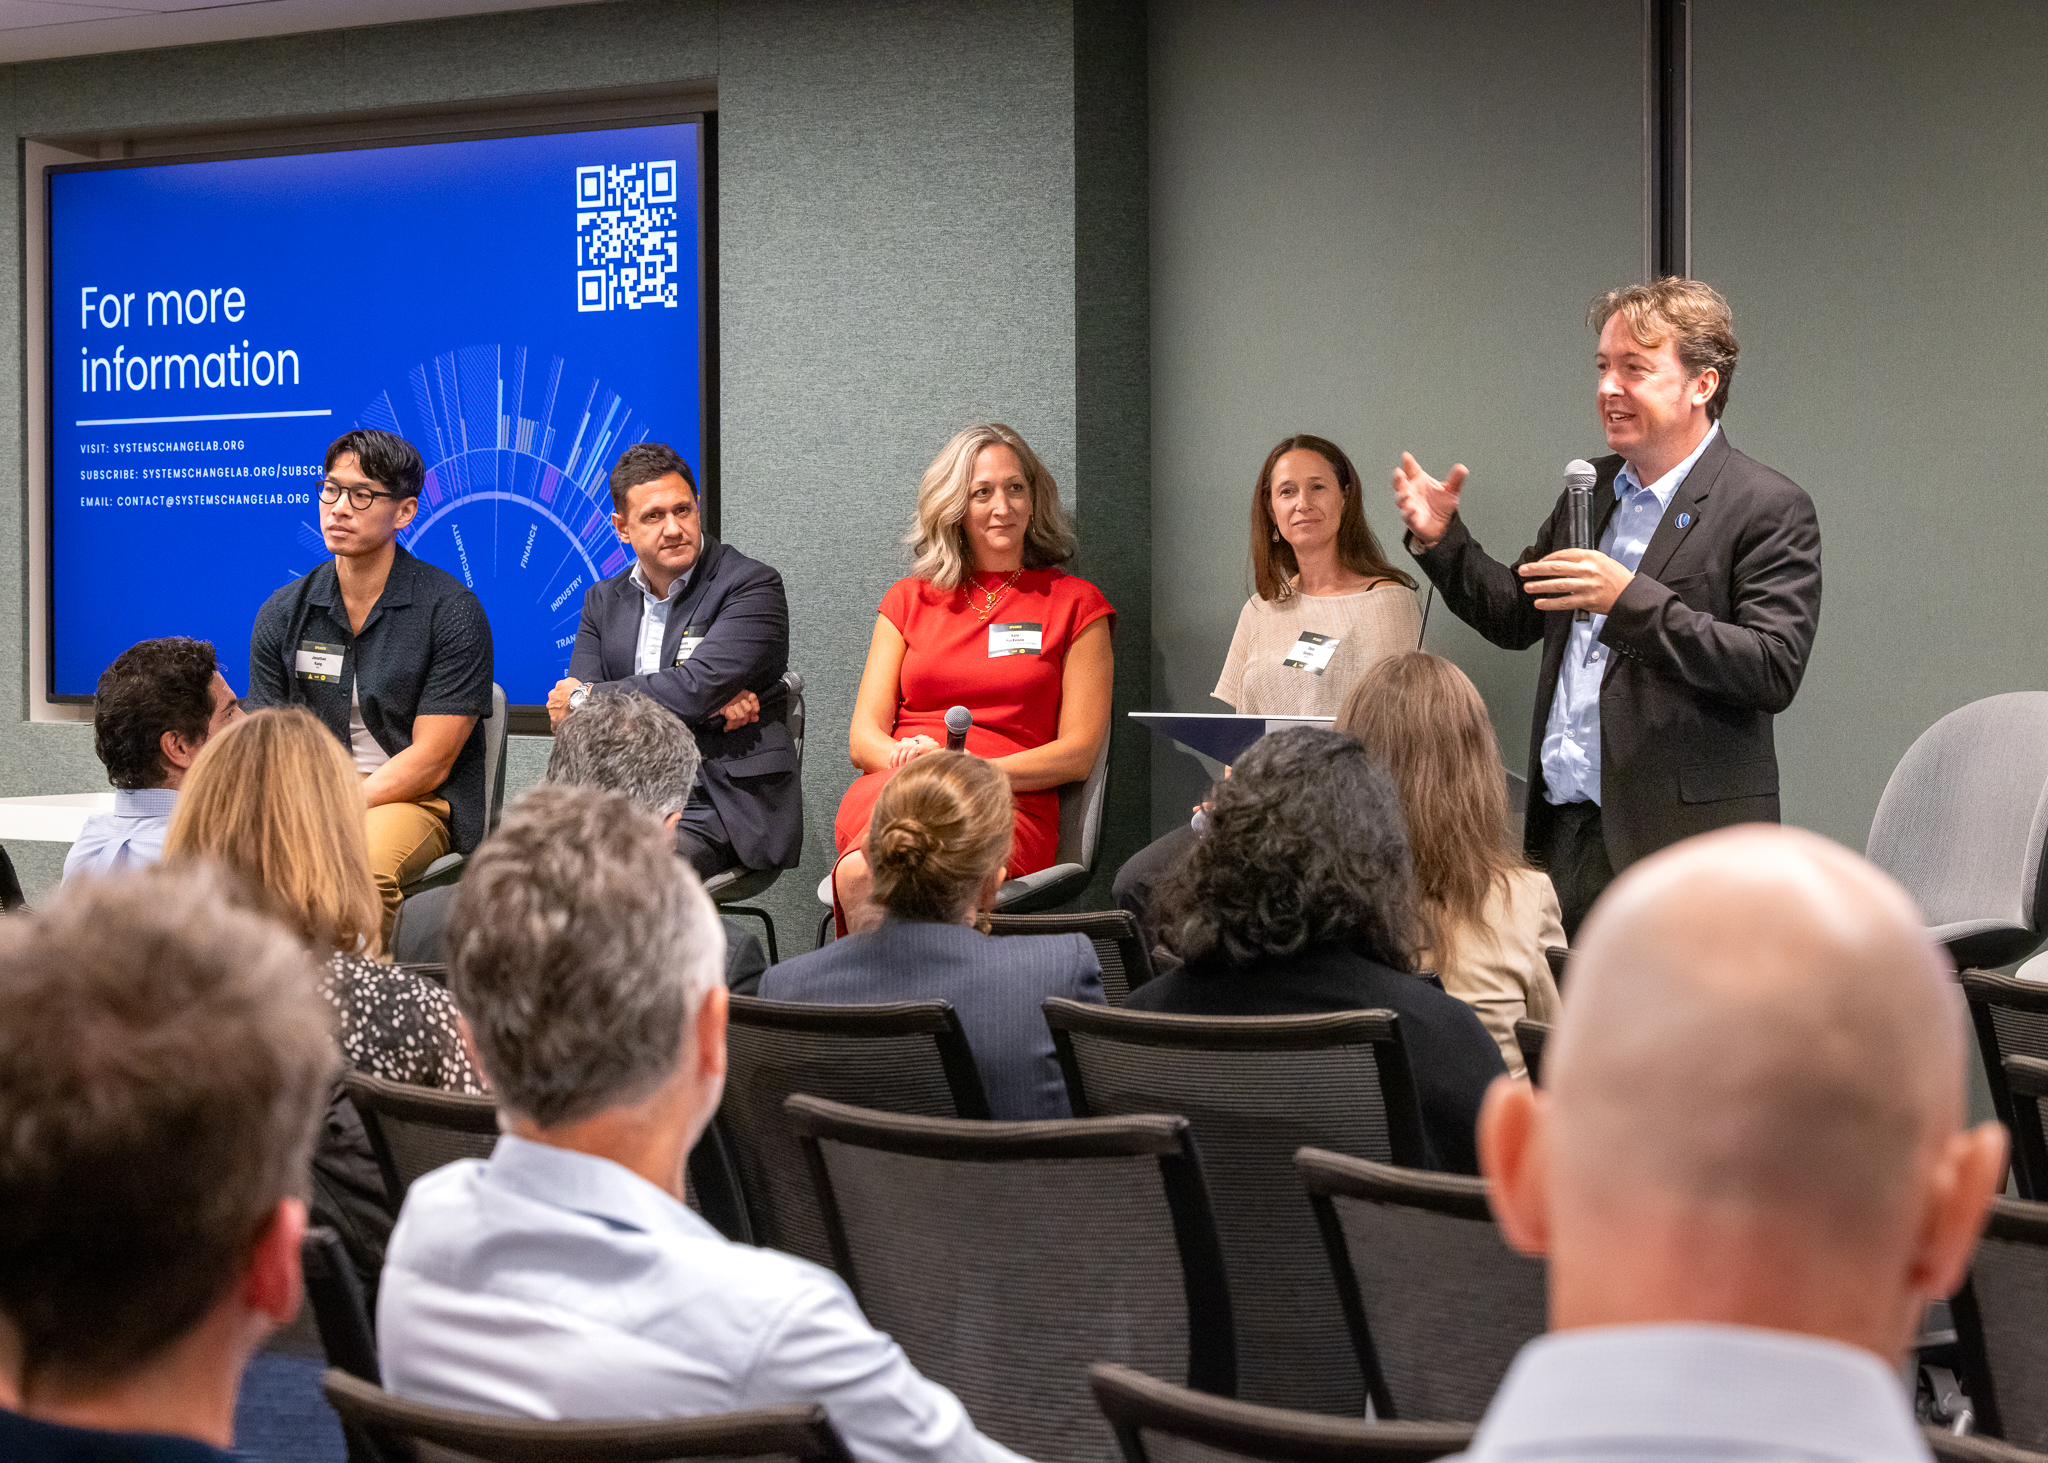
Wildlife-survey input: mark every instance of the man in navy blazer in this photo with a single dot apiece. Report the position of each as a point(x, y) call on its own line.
point(701, 629)
point(1701, 599)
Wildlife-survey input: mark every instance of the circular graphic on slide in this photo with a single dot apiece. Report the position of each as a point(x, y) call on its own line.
point(517, 502)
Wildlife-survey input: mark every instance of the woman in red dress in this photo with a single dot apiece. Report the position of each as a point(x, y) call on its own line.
point(986, 620)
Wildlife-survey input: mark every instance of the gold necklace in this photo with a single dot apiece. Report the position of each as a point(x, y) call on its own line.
point(991, 597)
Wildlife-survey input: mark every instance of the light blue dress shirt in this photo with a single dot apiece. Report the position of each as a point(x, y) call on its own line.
point(1697, 1394)
point(1571, 736)
point(654, 618)
point(127, 838)
point(548, 1283)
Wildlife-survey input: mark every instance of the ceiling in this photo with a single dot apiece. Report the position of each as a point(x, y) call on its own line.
point(36, 30)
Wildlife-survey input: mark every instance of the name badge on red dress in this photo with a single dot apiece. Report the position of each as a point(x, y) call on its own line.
point(1017, 637)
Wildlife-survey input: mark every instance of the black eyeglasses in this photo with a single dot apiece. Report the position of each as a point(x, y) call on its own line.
point(359, 498)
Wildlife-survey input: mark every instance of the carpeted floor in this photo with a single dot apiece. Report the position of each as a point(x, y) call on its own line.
point(281, 1416)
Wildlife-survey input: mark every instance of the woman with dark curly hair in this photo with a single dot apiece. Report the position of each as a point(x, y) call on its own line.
point(1300, 898)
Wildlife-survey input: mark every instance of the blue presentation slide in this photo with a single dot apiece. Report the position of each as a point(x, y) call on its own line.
point(522, 309)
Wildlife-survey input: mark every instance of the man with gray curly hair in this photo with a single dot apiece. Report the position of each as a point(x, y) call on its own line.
point(564, 1276)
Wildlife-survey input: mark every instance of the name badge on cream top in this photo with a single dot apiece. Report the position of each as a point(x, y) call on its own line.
point(1312, 653)
point(693, 636)
point(1015, 638)
point(318, 662)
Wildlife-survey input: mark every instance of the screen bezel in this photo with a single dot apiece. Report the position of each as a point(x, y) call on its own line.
point(524, 718)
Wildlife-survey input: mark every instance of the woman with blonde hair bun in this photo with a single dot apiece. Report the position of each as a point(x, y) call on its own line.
point(937, 843)
point(988, 620)
point(1488, 915)
point(276, 799)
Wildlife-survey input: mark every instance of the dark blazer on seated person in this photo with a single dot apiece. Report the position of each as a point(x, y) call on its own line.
point(737, 606)
point(998, 985)
point(420, 938)
point(1449, 1052)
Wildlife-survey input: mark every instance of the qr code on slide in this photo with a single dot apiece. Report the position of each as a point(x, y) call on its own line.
point(626, 236)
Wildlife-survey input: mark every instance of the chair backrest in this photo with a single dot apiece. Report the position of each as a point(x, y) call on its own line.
point(496, 726)
point(1949, 1448)
point(1081, 812)
point(904, 1057)
point(1157, 1422)
point(2026, 1079)
point(414, 1130)
point(340, 1312)
point(1530, 1036)
point(1557, 957)
point(1964, 818)
point(1119, 943)
point(2001, 1317)
point(2010, 1018)
point(1254, 1089)
point(1437, 1303)
point(1006, 1257)
point(794, 1434)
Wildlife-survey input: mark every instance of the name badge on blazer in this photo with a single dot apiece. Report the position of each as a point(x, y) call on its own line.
point(318, 662)
point(693, 636)
point(1312, 653)
point(1015, 638)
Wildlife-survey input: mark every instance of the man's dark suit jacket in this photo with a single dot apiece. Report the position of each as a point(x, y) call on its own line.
point(1711, 639)
point(1449, 1052)
point(750, 774)
point(998, 985)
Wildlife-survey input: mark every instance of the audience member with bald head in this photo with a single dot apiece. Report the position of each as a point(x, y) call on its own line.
point(1750, 1153)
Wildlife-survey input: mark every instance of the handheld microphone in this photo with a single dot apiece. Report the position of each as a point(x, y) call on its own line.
point(958, 720)
point(1579, 478)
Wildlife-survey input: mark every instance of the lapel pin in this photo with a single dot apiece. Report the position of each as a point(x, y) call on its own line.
point(1685, 520)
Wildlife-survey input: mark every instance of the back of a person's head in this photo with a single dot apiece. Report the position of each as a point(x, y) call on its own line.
point(153, 687)
point(579, 947)
point(1426, 723)
point(623, 742)
point(1305, 846)
point(941, 827)
point(275, 798)
point(1753, 1102)
point(165, 1057)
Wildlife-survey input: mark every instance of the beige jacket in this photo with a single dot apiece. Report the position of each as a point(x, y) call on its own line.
point(1501, 971)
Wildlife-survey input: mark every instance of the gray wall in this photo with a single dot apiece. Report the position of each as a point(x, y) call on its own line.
point(1867, 188)
point(1380, 222)
point(901, 226)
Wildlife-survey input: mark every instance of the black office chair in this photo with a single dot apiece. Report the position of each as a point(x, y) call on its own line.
point(415, 1130)
point(1119, 945)
point(1006, 1257)
point(1949, 1448)
point(2010, 1018)
point(2026, 1081)
point(906, 1056)
point(1557, 957)
point(800, 1433)
point(1157, 1422)
point(2001, 1317)
point(1530, 1037)
point(334, 1293)
point(1254, 1089)
point(1437, 1303)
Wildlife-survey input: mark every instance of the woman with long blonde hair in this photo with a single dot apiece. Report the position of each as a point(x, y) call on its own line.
point(276, 799)
point(1488, 916)
point(988, 620)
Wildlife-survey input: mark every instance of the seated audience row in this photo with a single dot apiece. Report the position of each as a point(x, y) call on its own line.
point(1748, 1172)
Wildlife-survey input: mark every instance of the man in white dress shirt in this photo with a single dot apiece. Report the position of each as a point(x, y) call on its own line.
point(154, 708)
point(563, 1276)
point(1748, 1166)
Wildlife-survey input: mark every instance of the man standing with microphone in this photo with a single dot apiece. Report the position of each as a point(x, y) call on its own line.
point(1653, 711)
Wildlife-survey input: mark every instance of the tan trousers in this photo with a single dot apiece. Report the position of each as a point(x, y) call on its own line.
point(404, 839)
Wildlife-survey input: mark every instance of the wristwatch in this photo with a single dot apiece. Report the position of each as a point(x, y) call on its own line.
point(578, 696)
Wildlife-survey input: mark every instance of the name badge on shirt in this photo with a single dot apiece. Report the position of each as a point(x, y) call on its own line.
point(1015, 638)
point(319, 662)
point(1312, 653)
point(693, 636)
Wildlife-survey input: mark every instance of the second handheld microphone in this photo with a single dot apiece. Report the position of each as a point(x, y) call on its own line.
point(1579, 478)
point(958, 720)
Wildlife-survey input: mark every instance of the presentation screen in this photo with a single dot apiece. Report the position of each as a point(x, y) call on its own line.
point(522, 309)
